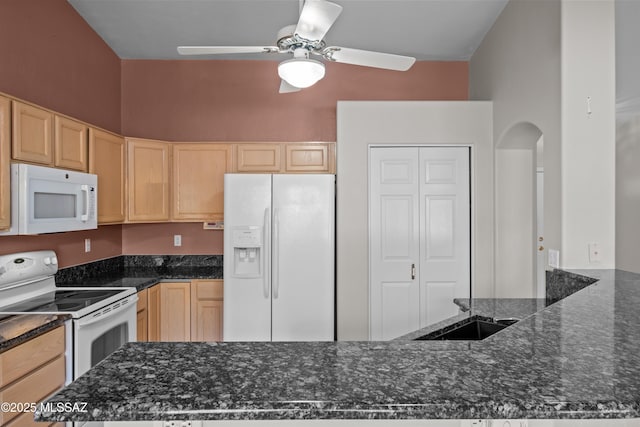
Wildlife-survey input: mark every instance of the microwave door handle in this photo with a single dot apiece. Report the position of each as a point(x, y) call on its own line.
point(85, 203)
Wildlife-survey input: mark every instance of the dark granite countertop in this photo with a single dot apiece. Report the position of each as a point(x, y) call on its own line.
point(141, 271)
point(135, 271)
point(15, 330)
point(575, 358)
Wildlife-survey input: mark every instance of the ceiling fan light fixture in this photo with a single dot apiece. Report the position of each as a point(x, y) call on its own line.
point(301, 72)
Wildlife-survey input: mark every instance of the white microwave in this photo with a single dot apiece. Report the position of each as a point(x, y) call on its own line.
point(48, 200)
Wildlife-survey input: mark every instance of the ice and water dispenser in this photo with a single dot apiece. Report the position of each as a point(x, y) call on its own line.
point(247, 248)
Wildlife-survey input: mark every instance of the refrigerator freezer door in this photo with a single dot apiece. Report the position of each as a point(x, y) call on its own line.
point(303, 257)
point(247, 295)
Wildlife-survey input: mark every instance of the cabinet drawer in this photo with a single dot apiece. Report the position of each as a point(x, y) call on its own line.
point(26, 357)
point(34, 387)
point(208, 289)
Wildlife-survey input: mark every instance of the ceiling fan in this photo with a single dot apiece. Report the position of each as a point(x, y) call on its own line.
point(305, 39)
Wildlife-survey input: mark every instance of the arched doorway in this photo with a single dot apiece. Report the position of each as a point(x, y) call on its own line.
point(519, 178)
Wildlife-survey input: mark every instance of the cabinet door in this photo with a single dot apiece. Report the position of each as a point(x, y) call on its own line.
point(317, 158)
point(147, 180)
point(198, 181)
point(70, 144)
point(142, 316)
point(106, 159)
point(31, 139)
point(153, 313)
point(258, 158)
point(206, 310)
point(175, 303)
point(5, 186)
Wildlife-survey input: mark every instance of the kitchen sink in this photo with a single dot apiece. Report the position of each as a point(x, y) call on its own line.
point(472, 329)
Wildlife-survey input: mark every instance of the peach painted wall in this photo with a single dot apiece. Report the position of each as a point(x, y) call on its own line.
point(157, 239)
point(204, 100)
point(50, 56)
point(106, 242)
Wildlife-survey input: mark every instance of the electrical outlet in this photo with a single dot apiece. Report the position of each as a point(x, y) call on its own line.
point(594, 252)
point(87, 245)
point(554, 258)
point(177, 240)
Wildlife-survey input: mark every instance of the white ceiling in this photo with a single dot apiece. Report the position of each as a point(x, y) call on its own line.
point(425, 29)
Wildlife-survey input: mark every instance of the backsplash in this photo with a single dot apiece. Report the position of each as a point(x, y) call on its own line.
point(167, 266)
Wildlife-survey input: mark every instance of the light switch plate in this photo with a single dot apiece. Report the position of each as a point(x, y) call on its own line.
point(554, 258)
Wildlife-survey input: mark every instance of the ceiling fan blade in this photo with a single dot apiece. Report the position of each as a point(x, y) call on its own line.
point(287, 88)
point(316, 18)
point(215, 50)
point(368, 58)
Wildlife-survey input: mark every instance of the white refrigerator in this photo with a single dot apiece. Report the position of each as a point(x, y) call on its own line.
point(279, 257)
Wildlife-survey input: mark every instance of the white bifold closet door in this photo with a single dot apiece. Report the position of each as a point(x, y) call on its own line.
point(419, 236)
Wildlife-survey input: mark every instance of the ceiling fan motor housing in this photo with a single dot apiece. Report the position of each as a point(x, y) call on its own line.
point(288, 41)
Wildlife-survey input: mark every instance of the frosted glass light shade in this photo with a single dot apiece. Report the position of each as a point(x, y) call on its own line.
point(301, 72)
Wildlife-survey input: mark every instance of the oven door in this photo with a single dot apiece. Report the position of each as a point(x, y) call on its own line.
point(100, 333)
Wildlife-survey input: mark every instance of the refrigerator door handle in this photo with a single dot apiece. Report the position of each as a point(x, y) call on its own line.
point(265, 258)
point(276, 252)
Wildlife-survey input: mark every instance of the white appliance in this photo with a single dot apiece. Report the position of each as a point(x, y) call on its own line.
point(48, 200)
point(279, 246)
point(102, 319)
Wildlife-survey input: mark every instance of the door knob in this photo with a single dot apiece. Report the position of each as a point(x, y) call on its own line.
point(541, 248)
point(540, 239)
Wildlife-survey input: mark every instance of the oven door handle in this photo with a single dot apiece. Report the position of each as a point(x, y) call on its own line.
point(102, 314)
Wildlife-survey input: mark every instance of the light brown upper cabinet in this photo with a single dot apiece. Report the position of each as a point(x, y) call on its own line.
point(32, 139)
point(315, 158)
point(198, 181)
point(106, 159)
point(5, 155)
point(147, 180)
point(70, 144)
point(264, 158)
point(285, 157)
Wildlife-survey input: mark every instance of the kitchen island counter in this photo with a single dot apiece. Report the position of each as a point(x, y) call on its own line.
point(576, 358)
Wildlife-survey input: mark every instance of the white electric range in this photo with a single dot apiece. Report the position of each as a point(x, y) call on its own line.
point(102, 319)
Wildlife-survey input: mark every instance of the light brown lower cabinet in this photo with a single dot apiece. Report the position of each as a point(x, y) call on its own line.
point(181, 311)
point(31, 372)
point(175, 311)
point(142, 316)
point(206, 310)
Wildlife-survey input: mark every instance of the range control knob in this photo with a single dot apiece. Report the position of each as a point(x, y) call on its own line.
point(47, 260)
point(54, 260)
